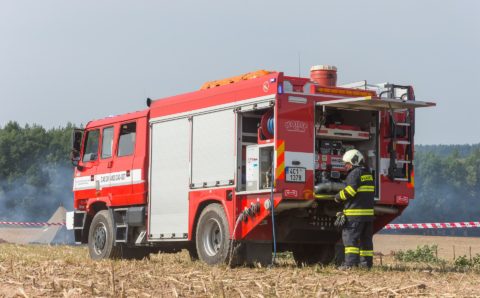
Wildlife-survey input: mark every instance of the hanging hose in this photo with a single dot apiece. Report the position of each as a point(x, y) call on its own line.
point(239, 220)
point(272, 209)
point(324, 197)
point(242, 215)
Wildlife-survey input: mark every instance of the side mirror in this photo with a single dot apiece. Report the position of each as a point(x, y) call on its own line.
point(76, 163)
point(77, 136)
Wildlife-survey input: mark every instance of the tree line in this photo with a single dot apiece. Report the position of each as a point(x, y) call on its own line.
point(447, 187)
point(36, 177)
point(35, 171)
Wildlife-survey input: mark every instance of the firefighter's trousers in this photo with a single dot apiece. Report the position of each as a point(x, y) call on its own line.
point(357, 239)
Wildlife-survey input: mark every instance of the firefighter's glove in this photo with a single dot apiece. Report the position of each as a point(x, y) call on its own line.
point(340, 221)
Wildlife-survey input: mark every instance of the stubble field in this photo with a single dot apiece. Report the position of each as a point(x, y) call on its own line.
point(66, 271)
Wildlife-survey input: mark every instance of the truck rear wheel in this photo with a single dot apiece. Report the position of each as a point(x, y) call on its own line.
point(212, 235)
point(136, 253)
point(310, 254)
point(100, 238)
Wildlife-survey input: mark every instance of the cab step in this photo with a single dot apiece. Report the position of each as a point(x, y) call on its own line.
point(120, 225)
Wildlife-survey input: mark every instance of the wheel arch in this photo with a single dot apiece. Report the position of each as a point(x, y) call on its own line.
point(93, 207)
point(201, 206)
point(199, 200)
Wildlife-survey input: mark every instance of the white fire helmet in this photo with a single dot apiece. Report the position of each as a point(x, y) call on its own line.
point(353, 156)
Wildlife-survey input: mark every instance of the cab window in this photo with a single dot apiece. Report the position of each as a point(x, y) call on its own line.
point(126, 141)
point(107, 142)
point(90, 151)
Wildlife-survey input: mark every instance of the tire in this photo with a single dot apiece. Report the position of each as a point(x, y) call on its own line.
point(310, 254)
point(100, 238)
point(213, 235)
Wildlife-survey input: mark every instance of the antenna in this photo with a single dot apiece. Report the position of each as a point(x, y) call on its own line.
point(299, 66)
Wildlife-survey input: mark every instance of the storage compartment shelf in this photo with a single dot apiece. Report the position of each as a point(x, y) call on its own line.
point(342, 134)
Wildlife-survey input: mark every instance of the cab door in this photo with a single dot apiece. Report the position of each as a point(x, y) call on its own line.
point(121, 173)
point(104, 168)
point(84, 184)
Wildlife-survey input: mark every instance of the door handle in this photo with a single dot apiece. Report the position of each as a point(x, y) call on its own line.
point(97, 185)
point(110, 164)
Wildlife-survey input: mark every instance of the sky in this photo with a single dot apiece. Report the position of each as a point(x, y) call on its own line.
point(75, 61)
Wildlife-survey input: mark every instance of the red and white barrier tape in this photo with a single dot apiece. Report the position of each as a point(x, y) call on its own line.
point(31, 224)
point(437, 225)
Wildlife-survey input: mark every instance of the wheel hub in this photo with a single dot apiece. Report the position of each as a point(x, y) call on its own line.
point(100, 238)
point(213, 237)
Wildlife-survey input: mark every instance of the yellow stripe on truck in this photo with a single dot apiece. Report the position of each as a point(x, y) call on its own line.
point(280, 172)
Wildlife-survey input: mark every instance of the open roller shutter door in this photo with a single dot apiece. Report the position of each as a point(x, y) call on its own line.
point(374, 104)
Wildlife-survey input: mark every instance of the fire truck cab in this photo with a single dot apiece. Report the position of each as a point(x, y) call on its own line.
point(243, 167)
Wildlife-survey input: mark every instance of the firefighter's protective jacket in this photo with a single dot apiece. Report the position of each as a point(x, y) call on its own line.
point(358, 195)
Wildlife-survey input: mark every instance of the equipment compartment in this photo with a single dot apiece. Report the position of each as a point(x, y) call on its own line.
point(337, 131)
point(254, 150)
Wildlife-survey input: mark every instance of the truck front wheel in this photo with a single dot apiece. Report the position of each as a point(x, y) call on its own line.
point(100, 238)
point(213, 235)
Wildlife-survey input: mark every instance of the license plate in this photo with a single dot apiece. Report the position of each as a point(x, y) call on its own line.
point(294, 174)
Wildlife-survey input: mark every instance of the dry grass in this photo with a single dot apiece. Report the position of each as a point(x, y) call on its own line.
point(64, 271)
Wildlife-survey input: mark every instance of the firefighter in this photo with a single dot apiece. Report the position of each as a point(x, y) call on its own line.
point(357, 216)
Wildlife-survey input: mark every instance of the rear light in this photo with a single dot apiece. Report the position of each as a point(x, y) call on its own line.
point(364, 134)
point(401, 200)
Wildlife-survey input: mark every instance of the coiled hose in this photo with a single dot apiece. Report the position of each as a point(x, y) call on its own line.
point(267, 125)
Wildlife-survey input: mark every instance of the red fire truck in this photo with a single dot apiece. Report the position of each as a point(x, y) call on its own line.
point(240, 168)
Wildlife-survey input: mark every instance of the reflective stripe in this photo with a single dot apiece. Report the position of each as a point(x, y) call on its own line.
point(350, 190)
point(342, 195)
point(352, 250)
point(366, 253)
point(366, 188)
point(366, 178)
point(358, 212)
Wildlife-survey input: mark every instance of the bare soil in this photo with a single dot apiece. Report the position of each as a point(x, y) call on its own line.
point(448, 247)
point(66, 271)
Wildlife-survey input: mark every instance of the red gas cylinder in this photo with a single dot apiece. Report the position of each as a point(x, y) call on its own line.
point(324, 75)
